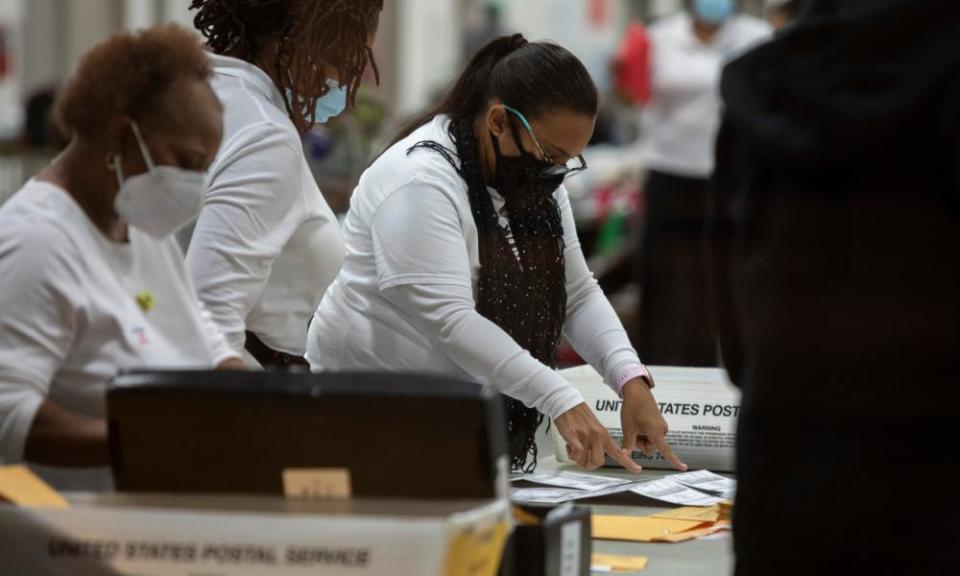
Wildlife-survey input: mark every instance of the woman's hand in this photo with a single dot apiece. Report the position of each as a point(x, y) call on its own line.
point(61, 437)
point(642, 423)
point(588, 441)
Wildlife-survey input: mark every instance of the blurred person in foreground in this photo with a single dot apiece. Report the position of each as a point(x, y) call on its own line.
point(780, 13)
point(836, 237)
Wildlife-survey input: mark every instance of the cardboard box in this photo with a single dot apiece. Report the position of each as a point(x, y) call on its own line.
point(700, 406)
point(239, 536)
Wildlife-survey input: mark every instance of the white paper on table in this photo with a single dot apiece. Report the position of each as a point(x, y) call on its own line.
point(628, 487)
point(666, 490)
point(544, 495)
point(586, 482)
point(707, 481)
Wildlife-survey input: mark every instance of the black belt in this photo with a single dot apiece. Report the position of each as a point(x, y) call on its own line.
point(270, 358)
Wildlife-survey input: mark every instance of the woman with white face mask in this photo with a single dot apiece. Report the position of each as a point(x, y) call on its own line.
point(92, 281)
point(267, 244)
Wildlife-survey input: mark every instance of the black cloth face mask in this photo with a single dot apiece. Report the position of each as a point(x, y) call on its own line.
point(525, 177)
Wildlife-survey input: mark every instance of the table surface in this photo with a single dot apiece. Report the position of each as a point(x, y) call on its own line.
point(705, 557)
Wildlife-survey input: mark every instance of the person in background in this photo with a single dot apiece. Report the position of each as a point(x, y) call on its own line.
point(687, 53)
point(463, 257)
point(783, 12)
point(267, 244)
point(92, 281)
point(835, 226)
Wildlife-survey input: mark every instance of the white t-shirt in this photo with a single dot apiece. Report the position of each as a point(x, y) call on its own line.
point(266, 245)
point(75, 311)
point(404, 299)
point(684, 109)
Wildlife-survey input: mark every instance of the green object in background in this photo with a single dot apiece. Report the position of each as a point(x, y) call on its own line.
point(612, 232)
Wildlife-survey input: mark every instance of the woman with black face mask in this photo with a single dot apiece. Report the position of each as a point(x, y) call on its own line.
point(462, 256)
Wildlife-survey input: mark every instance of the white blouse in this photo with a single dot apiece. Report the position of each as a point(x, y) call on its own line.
point(266, 245)
point(78, 308)
point(684, 111)
point(404, 299)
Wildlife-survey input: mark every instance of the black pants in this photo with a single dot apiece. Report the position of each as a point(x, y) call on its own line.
point(677, 326)
point(857, 495)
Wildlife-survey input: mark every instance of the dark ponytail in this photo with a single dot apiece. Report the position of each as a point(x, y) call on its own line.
point(533, 77)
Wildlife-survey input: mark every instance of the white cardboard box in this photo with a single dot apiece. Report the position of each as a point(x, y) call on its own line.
point(700, 406)
point(193, 536)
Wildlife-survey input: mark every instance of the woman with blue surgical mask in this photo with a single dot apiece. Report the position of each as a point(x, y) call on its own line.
point(688, 52)
point(267, 244)
point(92, 280)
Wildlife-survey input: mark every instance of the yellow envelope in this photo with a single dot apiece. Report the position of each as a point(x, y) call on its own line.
point(639, 528)
point(706, 530)
point(692, 513)
point(613, 563)
point(20, 486)
point(524, 518)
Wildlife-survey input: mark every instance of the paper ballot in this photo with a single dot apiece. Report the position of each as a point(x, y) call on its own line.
point(667, 490)
point(706, 481)
point(701, 488)
point(544, 495)
point(560, 495)
point(587, 482)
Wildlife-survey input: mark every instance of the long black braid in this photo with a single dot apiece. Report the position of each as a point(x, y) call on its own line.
point(521, 287)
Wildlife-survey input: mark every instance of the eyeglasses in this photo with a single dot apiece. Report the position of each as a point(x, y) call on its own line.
point(573, 166)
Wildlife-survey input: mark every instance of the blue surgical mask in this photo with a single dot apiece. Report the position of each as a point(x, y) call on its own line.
point(713, 11)
point(331, 104)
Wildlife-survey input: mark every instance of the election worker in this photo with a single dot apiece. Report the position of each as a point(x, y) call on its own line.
point(267, 244)
point(463, 257)
point(92, 280)
point(688, 51)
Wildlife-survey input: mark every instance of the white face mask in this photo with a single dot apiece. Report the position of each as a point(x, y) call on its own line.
point(161, 200)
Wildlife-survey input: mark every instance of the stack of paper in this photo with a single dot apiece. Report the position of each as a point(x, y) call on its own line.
point(672, 492)
point(567, 486)
point(701, 488)
point(706, 481)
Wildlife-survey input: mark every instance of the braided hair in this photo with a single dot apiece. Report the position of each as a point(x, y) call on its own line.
point(310, 34)
point(522, 285)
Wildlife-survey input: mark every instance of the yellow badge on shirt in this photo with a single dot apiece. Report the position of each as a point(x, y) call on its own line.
point(146, 301)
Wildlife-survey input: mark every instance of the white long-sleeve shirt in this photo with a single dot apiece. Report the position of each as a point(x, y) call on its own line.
point(684, 110)
point(266, 244)
point(77, 308)
point(404, 299)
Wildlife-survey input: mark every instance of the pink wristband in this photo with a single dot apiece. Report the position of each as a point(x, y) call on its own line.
point(631, 374)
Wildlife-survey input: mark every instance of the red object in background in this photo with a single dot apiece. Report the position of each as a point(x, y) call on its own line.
point(634, 69)
point(599, 12)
